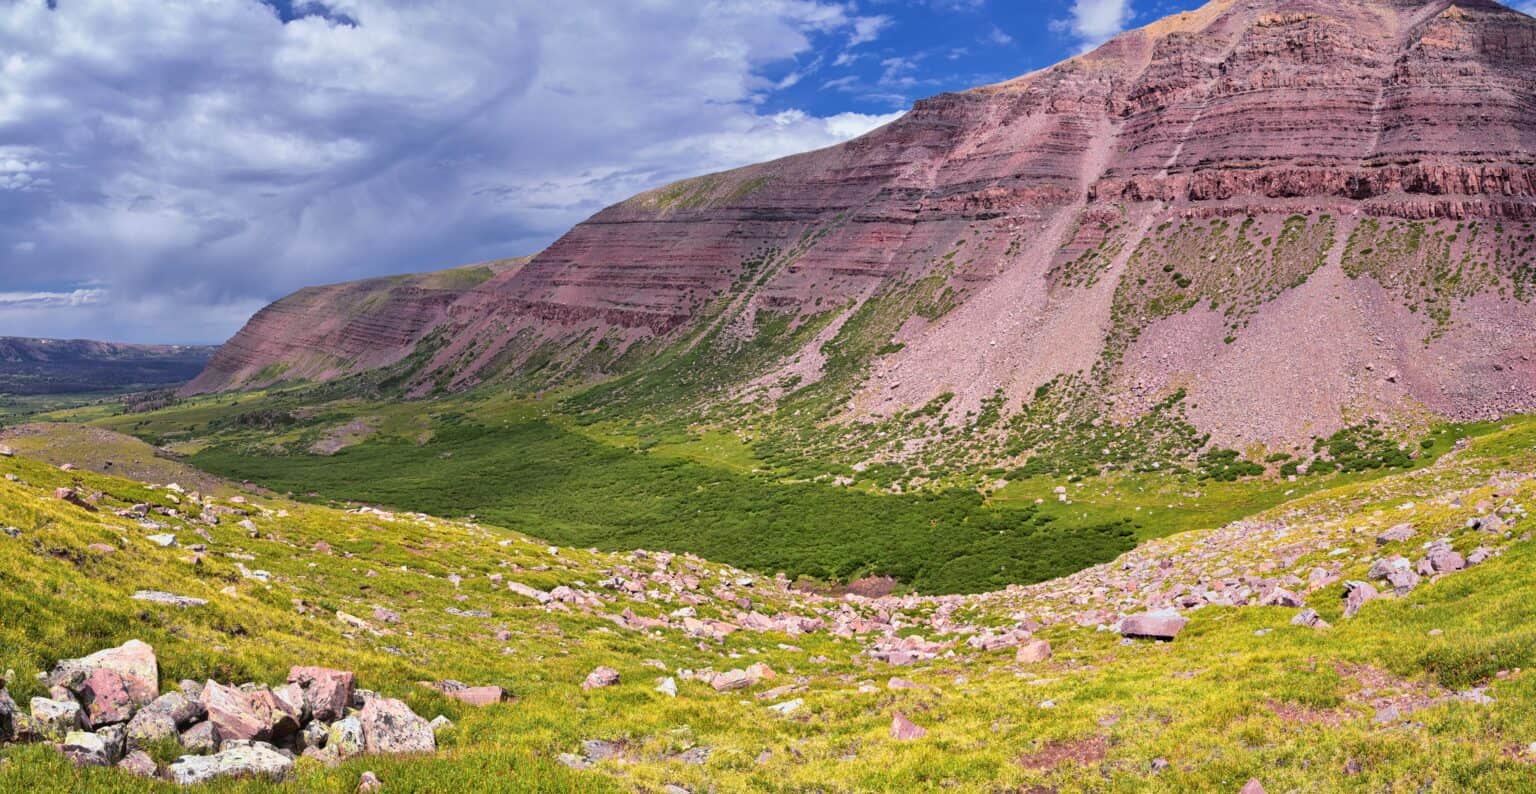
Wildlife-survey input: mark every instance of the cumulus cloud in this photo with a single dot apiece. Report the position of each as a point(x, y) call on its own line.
point(1094, 22)
point(202, 158)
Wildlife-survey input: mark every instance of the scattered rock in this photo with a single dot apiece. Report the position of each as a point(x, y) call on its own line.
point(787, 707)
point(530, 592)
point(169, 599)
point(733, 680)
point(1280, 597)
point(345, 739)
point(903, 729)
point(151, 726)
point(129, 671)
point(1396, 534)
point(1163, 625)
point(1357, 594)
point(1443, 559)
point(601, 677)
point(1032, 652)
point(1310, 618)
point(1253, 787)
point(369, 783)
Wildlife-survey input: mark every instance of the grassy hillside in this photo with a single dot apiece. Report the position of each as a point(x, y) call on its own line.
point(1241, 693)
point(719, 493)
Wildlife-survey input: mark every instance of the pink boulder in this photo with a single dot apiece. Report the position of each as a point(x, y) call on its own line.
point(1162, 626)
point(328, 692)
point(903, 729)
point(480, 695)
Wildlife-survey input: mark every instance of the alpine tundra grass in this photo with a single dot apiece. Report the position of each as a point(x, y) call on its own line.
point(1241, 693)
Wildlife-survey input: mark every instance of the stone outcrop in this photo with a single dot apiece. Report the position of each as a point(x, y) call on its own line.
point(107, 711)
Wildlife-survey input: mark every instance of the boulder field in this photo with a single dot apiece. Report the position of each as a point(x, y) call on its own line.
point(107, 709)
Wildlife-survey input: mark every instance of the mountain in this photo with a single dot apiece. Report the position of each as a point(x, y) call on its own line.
point(322, 333)
point(54, 366)
point(1272, 219)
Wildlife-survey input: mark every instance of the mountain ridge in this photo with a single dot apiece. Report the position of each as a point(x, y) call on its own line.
point(1294, 188)
point(32, 366)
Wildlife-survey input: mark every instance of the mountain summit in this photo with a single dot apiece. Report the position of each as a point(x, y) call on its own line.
point(1288, 216)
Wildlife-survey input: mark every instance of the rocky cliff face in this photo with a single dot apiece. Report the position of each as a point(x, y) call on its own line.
point(1302, 213)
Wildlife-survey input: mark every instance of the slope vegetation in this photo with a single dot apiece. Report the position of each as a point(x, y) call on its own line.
point(1423, 690)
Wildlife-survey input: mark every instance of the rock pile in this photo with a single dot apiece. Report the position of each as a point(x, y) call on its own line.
point(107, 709)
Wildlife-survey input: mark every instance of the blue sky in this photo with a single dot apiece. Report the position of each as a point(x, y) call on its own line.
point(167, 167)
point(925, 47)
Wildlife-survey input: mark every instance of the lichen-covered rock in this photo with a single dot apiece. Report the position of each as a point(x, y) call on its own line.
point(138, 763)
point(200, 739)
point(114, 737)
point(390, 727)
point(105, 698)
point(151, 726)
point(85, 749)
point(53, 719)
point(111, 682)
point(255, 760)
point(345, 738)
point(8, 713)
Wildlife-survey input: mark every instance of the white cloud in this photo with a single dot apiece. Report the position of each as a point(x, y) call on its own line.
point(30, 300)
point(867, 29)
point(1094, 22)
point(210, 151)
point(1526, 7)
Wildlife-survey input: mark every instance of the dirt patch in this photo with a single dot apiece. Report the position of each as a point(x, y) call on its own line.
point(873, 586)
point(1307, 715)
point(105, 452)
point(1389, 696)
point(350, 434)
point(1078, 751)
